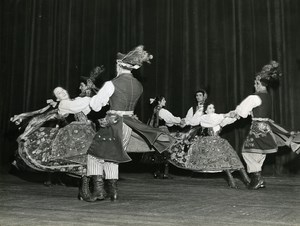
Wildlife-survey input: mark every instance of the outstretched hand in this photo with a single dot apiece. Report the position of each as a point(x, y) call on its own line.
point(17, 119)
point(233, 114)
point(182, 123)
point(52, 103)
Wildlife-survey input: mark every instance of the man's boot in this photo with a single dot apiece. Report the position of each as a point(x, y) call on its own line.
point(98, 189)
point(84, 190)
point(245, 177)
point(256, 181)
point(113, 190)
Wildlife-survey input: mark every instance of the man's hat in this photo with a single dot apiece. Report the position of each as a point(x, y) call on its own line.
point(135, 58)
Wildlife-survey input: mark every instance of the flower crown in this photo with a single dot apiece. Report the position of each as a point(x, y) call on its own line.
point(270, 72)
point(90, 81)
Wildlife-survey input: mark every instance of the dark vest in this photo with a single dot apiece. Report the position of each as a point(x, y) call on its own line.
point(195, 108)
point(155, 120)
point(265, 109)
point(127, 93)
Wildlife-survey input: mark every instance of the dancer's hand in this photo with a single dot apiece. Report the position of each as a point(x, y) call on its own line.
point(182, 123)
point(51, 103)
point(233, 114)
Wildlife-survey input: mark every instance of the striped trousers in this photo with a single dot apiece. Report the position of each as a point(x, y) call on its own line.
point(109, 170)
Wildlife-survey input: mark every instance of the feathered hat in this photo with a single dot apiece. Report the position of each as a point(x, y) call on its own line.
point(135, 58)
point(269, 73)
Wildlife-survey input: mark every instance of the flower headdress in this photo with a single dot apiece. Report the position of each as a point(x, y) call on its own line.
point(269, 73)
point(135, 58)
point(152, 100)
point(94, 73)
point(90, 81)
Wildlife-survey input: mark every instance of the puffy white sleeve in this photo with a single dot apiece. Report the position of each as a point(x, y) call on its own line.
point(102, 97)
point(195, 119)
point(189, 114)
point(211, 120)
point(74, 106)
point(246, 106)
point(168, 117)
point(227, 120)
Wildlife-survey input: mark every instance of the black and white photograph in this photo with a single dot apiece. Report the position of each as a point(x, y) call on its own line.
point(150, 113)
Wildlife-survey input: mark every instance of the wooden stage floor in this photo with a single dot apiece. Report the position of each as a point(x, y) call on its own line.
point(183, 200)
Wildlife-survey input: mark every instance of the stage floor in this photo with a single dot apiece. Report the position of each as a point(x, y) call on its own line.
point(183, 200)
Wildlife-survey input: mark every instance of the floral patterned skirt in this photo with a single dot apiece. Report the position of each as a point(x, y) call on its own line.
point(58, 150)
point(206, 154)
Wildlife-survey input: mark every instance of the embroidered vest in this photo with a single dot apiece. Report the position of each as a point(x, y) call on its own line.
point(265, 109)
point(155, 120)
point(127, 93)
point(196, 107)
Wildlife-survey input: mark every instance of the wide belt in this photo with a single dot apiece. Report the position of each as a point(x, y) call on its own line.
point(120, 113)
point(262, 119)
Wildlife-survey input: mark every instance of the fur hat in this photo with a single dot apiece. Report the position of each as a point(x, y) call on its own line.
point(269, 73)
point(135, 58)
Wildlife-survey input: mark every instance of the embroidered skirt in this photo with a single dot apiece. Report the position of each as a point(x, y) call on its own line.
point(266, 136)
point(206, 154)
point(58, 150)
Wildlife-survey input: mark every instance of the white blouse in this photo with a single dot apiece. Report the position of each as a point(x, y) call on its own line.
point(215, 121)
point(168, 117)
point(192, 118)
point(245, 107)
point(102, 97)
point(77, 105)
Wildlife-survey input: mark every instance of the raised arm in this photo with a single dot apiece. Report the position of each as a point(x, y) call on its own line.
point(74, 106)
point(245, 107)
point(102, 97)
point(17, 119)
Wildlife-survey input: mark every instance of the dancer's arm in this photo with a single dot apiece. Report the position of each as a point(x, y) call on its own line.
point(168, 117)
point(102, 97)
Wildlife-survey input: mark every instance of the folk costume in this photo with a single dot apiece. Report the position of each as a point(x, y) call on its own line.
point(194, 113)
point(122, 93)
point(161, 118)
point(191, 120)
point(49, 143)
point(265, 136)
point(209, 153)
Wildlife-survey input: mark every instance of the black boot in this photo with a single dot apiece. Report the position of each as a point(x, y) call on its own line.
point(98, 191)
point(256, 181)
point(245, 177)
point(84, 190)
point(113, 190)
point(231, 181)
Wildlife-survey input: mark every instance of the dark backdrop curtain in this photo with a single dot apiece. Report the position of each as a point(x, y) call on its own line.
point(213, 44)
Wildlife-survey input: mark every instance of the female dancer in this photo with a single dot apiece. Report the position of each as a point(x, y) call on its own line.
point(210, 153)
point(160, 118)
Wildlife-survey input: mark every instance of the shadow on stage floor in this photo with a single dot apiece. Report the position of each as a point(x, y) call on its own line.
point(185, 199)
